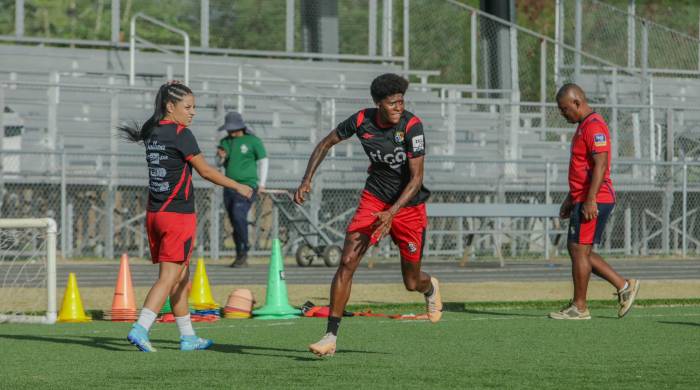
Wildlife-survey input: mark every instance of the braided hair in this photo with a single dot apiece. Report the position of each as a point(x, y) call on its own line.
point(170, 92)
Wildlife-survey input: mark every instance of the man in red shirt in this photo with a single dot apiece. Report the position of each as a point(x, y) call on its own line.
point(589, 203)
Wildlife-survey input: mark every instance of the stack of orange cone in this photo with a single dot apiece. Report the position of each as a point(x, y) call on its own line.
point(124, 302)
point(240, 304)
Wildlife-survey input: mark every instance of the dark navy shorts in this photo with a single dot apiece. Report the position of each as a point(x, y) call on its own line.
point(588, 232)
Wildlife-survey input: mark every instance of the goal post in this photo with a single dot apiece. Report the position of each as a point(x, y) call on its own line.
point(28, 270)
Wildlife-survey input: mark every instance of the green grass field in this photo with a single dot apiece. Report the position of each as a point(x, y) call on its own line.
point(477, 346)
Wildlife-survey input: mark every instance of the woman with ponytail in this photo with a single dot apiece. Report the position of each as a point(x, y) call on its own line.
point(171, 222)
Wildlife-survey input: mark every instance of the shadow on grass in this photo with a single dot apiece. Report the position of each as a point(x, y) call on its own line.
point(455, 307)
point(276, 352)
point(106, 343)
point(680, 323)
point(121, 344)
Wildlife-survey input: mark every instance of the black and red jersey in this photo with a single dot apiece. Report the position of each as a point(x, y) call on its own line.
point(168, 150)
point(388, 149)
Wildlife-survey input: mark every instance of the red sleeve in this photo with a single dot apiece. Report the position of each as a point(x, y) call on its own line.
point(597, 137)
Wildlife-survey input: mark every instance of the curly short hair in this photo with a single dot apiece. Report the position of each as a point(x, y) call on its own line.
point(386, 85)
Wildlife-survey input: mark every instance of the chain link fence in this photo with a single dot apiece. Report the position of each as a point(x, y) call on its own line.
point(628, 40)
point(656, 210)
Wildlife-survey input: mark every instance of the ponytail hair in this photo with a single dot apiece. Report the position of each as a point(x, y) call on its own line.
point(170, 92)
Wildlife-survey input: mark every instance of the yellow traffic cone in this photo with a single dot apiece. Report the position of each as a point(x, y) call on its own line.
point(200, 295)
point(72, 306)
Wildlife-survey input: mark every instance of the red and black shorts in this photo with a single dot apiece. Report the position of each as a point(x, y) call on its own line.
point(171, 236)
point(407, 227)
point(588, 232)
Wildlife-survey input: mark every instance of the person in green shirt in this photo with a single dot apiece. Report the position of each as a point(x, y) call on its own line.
point(241, 154)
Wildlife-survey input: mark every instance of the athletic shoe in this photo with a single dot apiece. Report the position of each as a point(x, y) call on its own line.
point(626, 297)
point(241, 261)
point(139, 337)
point(325, 346)
point(433, 302)
point(570, 312)
point(194, 343)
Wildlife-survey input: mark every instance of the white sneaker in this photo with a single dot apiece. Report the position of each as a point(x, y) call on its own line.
point(325, 346)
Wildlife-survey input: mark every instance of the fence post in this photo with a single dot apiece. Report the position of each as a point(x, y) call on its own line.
point(645, 234)
point(543, 82)
point(558, 37)
point(116, 9)
point(637, 142)
point(240, 105)
point(460, 237)
point(19, 18)
point(577, 40)
point(64, 201)
point(2, 141)
point(473, 58)
point(52, 117)
point(372, 28)
point(406, 33)
point(614, 122)
point(645, 50)
point(109, 218)
point(387, 27)
point(547, 200)
point(685, 209)
point(275, 221)
point(204, 23)
point(515, 95)
point(670, 136)
point(628, 231)
point(289, 31)
point(631, 34)
point(69, 231)
point(214, 226)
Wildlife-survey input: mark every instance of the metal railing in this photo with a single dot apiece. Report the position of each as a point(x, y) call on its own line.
point(133, 38)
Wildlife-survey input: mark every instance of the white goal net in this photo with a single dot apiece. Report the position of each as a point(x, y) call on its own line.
point(28, 270)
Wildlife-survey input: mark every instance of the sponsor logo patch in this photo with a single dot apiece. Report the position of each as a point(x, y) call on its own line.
point(367, 136)
point(412, 247)
point(418, 143)
point(600, 140)
point(398, 137)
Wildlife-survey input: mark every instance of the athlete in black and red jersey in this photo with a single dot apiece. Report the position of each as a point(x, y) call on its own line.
point(171, 222)
point(393, 200)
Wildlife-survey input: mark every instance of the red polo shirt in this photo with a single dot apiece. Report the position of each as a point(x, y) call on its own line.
point(592, 136)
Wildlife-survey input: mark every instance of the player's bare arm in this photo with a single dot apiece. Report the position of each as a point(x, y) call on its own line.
point(384, 218)
point(213, 175)
point(566, 206)
point(315, 160)
point(590, 207)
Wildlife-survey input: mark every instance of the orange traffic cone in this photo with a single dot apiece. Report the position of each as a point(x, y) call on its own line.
point(72, 306)
point(124, 302)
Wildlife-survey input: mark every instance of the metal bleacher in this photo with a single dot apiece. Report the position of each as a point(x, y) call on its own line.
point(290, 104)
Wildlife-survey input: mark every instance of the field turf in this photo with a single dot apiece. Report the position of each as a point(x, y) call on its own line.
point(485, 345)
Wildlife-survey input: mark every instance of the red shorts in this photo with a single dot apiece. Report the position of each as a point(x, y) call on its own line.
point(171, 236)
point(407, 228)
